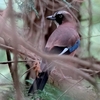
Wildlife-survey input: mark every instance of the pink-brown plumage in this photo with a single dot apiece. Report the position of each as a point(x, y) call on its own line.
point(64, 36)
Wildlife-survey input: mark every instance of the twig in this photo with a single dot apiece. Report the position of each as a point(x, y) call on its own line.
point(69, 89)
point(69, 5)
point(84, 75)
point(5, 77)
point(89, 28)
point(18, 51)
point(20, 61)
point(5, 2)
point(13, 69)
point(5, 84)
point(88, 70)
point(27, 71)
point(70, 12)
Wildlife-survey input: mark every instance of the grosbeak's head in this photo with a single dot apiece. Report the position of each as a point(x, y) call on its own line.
point(60, 17)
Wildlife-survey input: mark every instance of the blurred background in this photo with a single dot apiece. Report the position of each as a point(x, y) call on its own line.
point(88, 16)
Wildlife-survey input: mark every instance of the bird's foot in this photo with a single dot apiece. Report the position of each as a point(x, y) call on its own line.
point(36, 68)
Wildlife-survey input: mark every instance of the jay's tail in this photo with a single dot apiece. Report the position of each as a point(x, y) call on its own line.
point(39, 82)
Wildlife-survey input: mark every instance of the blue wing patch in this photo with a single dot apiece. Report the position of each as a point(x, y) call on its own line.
point(65, 50)
point(69, 50)
point(74, 47)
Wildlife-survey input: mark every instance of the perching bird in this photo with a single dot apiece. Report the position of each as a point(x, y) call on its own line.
point(63, 41)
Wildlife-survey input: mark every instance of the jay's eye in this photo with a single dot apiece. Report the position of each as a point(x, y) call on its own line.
point(60, 16)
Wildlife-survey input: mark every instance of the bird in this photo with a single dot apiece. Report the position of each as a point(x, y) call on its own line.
point(64, 40)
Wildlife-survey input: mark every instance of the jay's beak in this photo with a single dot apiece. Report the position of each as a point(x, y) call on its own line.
point(51, 17)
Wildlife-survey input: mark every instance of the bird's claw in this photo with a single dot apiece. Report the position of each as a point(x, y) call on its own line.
point(36, 67)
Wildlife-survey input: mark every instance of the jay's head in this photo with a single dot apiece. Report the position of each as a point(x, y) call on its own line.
point(60, 17)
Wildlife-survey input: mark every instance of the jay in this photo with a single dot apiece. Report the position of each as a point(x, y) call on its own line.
point(63, 41)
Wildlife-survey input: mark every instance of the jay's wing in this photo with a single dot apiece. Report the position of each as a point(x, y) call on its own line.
point(64, 40)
